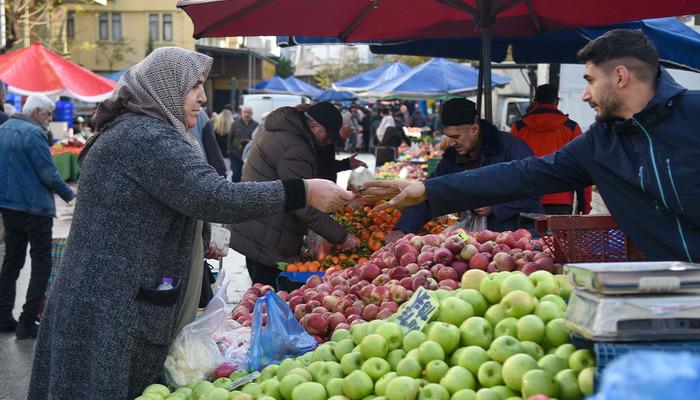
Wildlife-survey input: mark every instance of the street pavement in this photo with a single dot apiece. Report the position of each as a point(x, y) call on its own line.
point(16, 356)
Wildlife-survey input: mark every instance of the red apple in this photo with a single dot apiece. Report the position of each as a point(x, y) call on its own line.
point(335, 319)
point(479, 261)
point(399, 273)
point(449, 284)
point(447, 273)
point(399, 293)
point(370, 312)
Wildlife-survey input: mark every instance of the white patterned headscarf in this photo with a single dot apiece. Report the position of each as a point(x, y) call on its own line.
point(157, 87)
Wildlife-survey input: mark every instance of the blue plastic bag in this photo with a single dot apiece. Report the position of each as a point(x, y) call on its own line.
point(281, 337)
point(651, 375)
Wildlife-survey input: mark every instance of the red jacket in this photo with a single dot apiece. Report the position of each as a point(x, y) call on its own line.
point(546, 129)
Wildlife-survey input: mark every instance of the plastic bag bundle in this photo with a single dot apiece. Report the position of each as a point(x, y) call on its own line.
point(281, 337)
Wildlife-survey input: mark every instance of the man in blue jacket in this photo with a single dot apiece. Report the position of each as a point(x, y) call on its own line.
point(473, 143)
point(28, 180)
point(643, 154)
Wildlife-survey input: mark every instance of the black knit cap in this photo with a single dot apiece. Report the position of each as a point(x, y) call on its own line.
point(330, 118)
point(458, 111)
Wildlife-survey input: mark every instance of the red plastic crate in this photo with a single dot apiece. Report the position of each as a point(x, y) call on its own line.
point(586, 238)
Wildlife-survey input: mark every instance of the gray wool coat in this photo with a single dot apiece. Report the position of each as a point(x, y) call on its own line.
point(106, 331)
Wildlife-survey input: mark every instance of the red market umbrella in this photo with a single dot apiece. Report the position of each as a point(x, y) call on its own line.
point(36, 69)
point(354, 20)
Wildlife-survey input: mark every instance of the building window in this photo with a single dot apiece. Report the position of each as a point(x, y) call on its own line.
point(167, 27)
point(116, 26)
point(104, 26)
point(70, 25)
point(153, 26)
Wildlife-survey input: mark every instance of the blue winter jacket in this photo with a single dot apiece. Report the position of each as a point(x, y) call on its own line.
point(647, 169)
point(28, 176)
point(496, 147)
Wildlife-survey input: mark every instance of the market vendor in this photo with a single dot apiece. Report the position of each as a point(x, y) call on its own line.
point(144, 190)
point(286, 148)
point(643, 154)
point(473, 143)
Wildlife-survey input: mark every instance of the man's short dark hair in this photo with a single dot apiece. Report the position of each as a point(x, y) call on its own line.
point(628, 47)
point(546, 94)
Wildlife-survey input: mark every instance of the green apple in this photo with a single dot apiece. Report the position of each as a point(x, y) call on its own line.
point(565, 285)
point(285, 366)
point(269, 387)
point(518, 304)
point(394, 357)
point(445, 334)
point(454, 357)
point(252, 389)
point(464, 394)
point(487, 394)
point(351, 362)
point(490, 287)
point(201, 388)
point(556, 333)
point(537, 381)
point(271, 370)
point(316, 369)
point(241, 396)
point(568, 385)
point(309, 391)
point(472, 357)
point(376, 367)
point(503, 347)
point(358, 332)
point(506, 327)
point(548, 310)
point(219, 394)
point(222, 382)
point(472, 278)
point(342, 347)
point(504, 392)
point(435, 370)
point(433, 391)
point(185, 391)
point(412, 354)
point(586, 380)
point(581, 359)
point(544, 283)
point(442, 294)
point(341, 397)
point(340, 334)
point(517, 282)
point(402, 388)
point(392, 333)
point(556, 299)
point(552, 364)
point(380, 385)
point(430, 350)
point(474, 298)
point(515, 367)
point(458, 378)
point(531, 328)
point(374, 345)
point(301, 372)
point(533, 349)
point(565, 351)
point(289, 383)
point(410, 367)
point(413, 339)
point(157, 388)
point(329, 371)
point(334, 387)
point(490, 374)
point(305, 359)
point(357, 385)
point(259, 398)
point(476, 331)
point(495, 314)
point(454, 310)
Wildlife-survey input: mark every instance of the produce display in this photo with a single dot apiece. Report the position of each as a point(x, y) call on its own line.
point(72, 145)
point(500, 336)
point(402, 170)
point(414, 152)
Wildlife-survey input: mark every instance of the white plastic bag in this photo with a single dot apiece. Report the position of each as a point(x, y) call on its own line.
point(220, 239)
point(470, 223)
point(358, 177)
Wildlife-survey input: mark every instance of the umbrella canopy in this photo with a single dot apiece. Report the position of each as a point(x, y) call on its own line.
point(678, 44)
point(367, 80)
point(301, 87)
point(36, 69)
point(436, 78)
point(274, 85)
point(333, 95)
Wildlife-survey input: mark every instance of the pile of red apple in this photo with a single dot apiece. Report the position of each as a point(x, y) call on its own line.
point(375, 289)
point(243, 313)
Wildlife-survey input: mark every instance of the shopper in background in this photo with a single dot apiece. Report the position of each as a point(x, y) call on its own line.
point(240, 134)
point(387, 121)
point(222, 127)
point(28, 181)
point(144, 190)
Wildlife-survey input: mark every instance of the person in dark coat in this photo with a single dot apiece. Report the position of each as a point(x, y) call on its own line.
point(241, 133)
point(642, 154)
point(393, 137)
point(286, 148)
point(144, 185)
point(473, 145)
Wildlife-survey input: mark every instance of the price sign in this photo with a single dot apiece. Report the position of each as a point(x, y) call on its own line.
point(417, 311)
point(462, 235)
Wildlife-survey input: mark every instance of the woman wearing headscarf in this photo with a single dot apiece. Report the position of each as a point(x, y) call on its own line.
point(144, 190)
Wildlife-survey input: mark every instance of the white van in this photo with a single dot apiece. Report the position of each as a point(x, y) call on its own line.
point(262, 104)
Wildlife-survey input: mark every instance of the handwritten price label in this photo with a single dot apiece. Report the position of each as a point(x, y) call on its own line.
point(417, 311)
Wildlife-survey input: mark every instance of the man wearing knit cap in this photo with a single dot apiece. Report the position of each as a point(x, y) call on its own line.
point(286, 147)
point(473, 143)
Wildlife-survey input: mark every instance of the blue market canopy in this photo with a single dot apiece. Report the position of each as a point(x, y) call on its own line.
point(274, 85)
point(436, 78)
point(369, 79)
point(333, 95)
point(301, 87)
